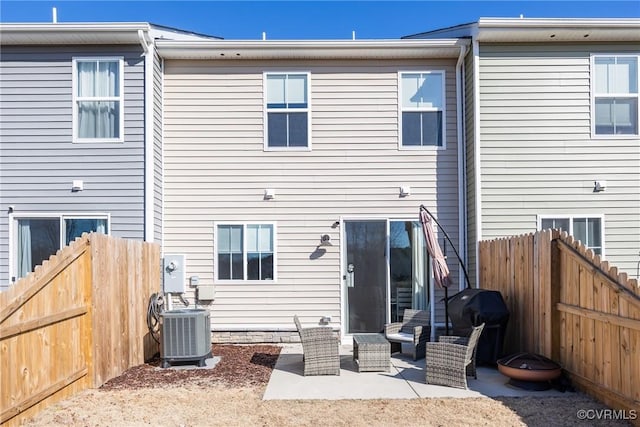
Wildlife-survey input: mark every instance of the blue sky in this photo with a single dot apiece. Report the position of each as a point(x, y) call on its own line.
point(308, 19)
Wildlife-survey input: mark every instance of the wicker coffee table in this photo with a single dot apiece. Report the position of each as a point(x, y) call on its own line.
point(371, 352)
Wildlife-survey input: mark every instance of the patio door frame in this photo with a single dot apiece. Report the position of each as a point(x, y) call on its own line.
point(346, 337)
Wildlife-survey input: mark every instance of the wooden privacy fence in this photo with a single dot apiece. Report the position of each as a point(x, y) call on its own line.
point(569, 305)
point(75, 322)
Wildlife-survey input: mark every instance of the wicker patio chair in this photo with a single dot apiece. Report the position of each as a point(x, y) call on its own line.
point(320, 348)
point(452, 339)
point(446, 362)
point(414, 329)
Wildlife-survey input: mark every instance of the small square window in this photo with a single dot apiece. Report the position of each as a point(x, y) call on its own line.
point(245, 252)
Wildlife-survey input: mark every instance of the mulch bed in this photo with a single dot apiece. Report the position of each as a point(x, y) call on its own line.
point(239, 366)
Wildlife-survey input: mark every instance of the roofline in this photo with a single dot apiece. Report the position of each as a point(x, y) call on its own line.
point(542, 29)
point(460, 27)
point(185, 32)
point(51, 33)
point(73, 26)
point(554, 22)
point(309, 49)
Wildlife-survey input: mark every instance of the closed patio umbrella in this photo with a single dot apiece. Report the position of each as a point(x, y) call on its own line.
point(438, 261)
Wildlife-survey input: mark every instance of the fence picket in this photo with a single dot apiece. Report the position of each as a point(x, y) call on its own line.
point(76, 349)
point(582, 310)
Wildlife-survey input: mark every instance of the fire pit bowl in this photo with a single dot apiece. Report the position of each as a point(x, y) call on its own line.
point(529, 370)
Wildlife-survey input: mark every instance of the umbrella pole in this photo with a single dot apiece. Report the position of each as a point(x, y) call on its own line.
point(446, 310)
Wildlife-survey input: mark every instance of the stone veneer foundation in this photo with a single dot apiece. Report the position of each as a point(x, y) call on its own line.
point(254, 337)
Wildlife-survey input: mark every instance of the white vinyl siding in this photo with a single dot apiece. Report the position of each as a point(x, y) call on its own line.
point(216, 170)
point(39, 160)
point(537, 152)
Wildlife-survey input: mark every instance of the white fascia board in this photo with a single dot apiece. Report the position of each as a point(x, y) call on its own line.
point(559, 22)
point(309, 49)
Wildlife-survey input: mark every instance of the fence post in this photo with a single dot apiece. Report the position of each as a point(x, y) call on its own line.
point(555, 285)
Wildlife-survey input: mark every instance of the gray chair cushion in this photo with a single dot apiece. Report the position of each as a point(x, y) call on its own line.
point(401, 336)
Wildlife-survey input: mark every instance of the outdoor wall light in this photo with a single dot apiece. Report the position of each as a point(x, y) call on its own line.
point(599, 186)
point(77, 185)
point(325, 240)
point(269, 193)
point(405, 190)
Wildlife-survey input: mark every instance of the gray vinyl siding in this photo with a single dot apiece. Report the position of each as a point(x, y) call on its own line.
point(157, 148)
point(470, 169)
point(538, 156)
point(216, 170)
point(39, 161)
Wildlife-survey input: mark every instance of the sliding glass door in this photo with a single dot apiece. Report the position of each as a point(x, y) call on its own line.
point(385, 272)
point(38, 238)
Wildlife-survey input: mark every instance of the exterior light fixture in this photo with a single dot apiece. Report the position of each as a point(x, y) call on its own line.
point(269, 193)
point(325, 240)
point(599, 186)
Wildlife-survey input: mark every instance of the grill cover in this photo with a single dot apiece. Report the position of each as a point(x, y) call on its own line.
point(472, 307)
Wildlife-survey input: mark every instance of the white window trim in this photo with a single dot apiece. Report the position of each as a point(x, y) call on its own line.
point(592, 85)
point(13, 237)
point(571, 217)
point(75, 99)
point(265, 110)
point(443, 109)
point(216, 280)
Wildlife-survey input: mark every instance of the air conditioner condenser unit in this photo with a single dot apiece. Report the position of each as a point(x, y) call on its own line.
point(185, 336)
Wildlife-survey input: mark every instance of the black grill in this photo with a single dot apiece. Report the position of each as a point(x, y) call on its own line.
point(472, 307)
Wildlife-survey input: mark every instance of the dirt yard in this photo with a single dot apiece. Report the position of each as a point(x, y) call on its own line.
point(231, 395)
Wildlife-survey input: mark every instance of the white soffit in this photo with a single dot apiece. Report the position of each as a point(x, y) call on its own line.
point(311, 49)
point(557, 30)
point(69, 34)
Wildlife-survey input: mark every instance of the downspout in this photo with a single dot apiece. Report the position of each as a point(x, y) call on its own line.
point(147, 46)
point(462, 180)
point(476, 151)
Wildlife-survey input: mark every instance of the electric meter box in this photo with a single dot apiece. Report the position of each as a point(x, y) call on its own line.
point(173, 274)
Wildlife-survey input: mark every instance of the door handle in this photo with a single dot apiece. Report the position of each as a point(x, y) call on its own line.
point(349, 277)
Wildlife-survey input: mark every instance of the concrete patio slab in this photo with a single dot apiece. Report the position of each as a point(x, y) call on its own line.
point(404, 381)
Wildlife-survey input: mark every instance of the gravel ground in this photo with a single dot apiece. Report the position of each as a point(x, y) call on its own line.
point(231, 395)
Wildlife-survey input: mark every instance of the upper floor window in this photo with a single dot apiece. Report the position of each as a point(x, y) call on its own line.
point(615, 95)
point(245, 252)
point(422, 109)
point(287, 110)
point(38, 237)
point(587, 229)
point(98, 99)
